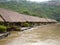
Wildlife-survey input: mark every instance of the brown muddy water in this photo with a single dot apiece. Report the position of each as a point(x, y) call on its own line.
point(45, 35)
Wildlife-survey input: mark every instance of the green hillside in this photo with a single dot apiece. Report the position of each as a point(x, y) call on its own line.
point(45, 9)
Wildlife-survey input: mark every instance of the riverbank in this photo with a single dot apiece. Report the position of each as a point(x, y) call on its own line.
point(3, 35)
point(43, 35)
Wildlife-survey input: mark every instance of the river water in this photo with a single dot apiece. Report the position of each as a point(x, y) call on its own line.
point(43, 35)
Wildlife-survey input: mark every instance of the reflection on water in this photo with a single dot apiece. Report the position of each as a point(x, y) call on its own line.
point(45, 35)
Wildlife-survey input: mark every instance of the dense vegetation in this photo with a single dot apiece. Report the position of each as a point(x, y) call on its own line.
point(46, 9)
point(3, 29)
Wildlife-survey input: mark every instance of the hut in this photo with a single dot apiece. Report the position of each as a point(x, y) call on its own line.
point(1, 21)
point(10, 18)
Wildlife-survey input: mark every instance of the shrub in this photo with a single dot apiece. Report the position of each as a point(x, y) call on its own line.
point(26, 12)
point(3, 29)
point(26, 24)
point(1, 23)
point(13, 28)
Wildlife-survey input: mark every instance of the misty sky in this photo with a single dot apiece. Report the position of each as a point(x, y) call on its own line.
point(38, 0)
point(29, 0)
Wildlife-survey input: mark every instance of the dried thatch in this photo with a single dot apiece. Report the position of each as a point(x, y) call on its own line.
point(51, 20)
point(11, 16)
point(1, 20)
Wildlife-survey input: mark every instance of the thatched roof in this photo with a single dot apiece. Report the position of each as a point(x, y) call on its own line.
point(1, 20)
point(51, 20)
point(11, 16)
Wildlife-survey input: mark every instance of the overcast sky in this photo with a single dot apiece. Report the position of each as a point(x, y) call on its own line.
point(38, 0)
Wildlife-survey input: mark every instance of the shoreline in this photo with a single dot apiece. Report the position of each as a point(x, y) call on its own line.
point(3, 35)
